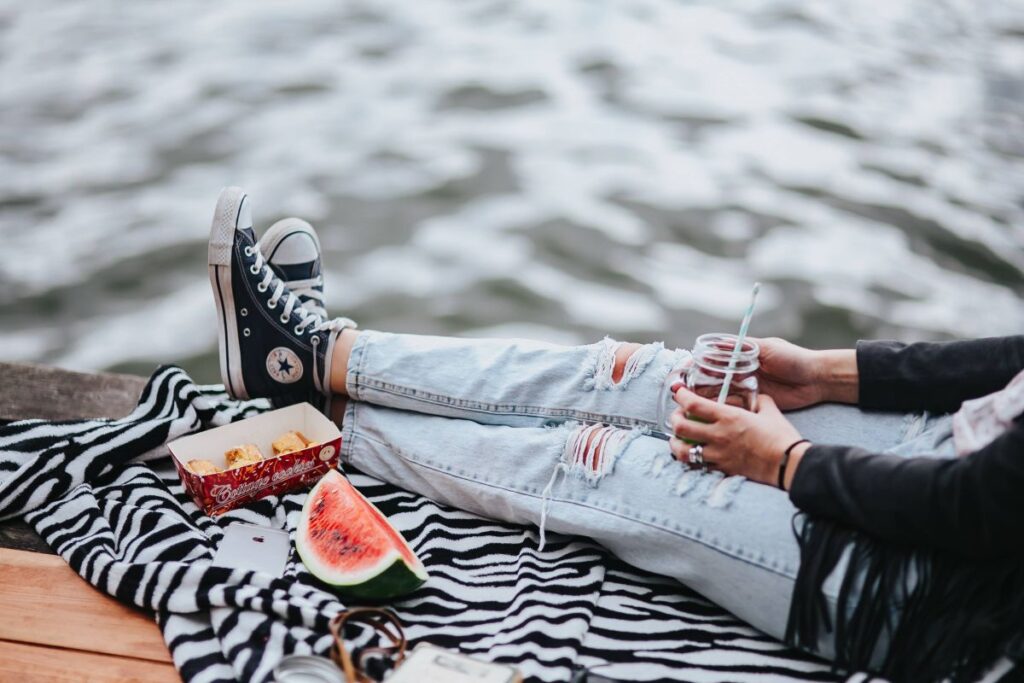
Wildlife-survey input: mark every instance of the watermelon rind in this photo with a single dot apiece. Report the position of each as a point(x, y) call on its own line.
point(389, 577)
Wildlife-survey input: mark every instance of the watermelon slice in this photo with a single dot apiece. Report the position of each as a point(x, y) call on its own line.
point(347, 543)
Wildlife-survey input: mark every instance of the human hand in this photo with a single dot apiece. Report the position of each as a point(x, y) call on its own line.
point(736, 441)
point(797, 377)
point(790, 374)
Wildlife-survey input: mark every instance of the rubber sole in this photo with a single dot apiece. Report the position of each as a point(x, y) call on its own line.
point(229, 210)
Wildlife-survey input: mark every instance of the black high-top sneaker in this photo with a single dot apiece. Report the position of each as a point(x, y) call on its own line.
point(292, 249)
point(270, 345)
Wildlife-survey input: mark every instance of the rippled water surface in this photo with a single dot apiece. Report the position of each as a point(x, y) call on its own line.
point(558, 170)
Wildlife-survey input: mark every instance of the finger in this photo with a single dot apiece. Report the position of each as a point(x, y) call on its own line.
point(681, 449)
point(681, 452)
point(767, 342)
point(715, 457)
point(707, 410)
point(767, 405)
point(712, 463)
point(680, 391)
point(698, 406)
point(684, 427)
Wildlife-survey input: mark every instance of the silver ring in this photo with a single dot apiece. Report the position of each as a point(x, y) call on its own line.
point(697, 454)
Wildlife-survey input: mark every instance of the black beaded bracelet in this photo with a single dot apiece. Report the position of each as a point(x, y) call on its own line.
point(785, 461)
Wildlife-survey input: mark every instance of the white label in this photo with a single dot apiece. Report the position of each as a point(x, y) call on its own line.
point(284, 365)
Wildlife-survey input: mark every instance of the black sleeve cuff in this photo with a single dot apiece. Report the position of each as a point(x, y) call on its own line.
point(811, 489)
point(878, 378)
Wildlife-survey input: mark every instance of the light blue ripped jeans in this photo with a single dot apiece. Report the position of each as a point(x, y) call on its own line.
point(511, 429)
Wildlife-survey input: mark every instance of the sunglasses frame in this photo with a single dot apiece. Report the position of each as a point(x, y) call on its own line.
point(385, 623)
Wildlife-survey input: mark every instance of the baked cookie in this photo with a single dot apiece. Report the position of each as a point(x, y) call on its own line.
point(289, 442)
point(202, 467)
point(243, 455)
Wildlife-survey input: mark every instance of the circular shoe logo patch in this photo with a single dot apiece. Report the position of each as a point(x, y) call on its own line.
point(284, 365)
point(326, 453)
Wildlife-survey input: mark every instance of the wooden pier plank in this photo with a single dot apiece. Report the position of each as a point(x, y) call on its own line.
point(55, 626)
point(18, 535)
point(37, 391)
point(47, 393)
point(27, 662)
point(46, 603)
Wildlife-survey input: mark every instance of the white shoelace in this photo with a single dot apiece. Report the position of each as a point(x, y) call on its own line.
point(308, 288)
point(292, 304)
point(312, 298)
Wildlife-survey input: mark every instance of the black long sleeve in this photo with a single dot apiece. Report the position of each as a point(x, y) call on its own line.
point(936, 376)
point(973, 505)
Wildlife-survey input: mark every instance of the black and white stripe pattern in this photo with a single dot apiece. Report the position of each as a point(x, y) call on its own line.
point(105, 496)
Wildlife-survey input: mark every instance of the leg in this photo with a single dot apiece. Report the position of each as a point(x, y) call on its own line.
point(271, 346)
point(834, 423)
point(274, 343)
point(513, 382)
point(347, 340)
point(731, 541)
point(905, 434)
point(523, 383)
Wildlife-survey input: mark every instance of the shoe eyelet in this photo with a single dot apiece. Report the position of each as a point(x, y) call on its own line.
point(244, 312)
point(261, 288)
point(254, 270)
point(246, 332)
point(272, 303)
point(284, 318)
point(300, 330)
point(248, 251)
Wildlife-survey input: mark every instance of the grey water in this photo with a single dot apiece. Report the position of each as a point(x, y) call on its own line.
point(556, 170)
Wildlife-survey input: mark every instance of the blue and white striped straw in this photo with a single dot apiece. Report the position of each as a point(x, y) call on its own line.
point(731, 369)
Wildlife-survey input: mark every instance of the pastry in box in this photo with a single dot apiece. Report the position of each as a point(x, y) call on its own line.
point(268, 454)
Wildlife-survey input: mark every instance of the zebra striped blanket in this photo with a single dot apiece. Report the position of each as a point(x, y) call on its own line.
point(105, 496)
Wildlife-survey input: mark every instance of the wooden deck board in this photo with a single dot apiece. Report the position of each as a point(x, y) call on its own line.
point(40, 392)
point(55, 626)
point(27, 662)
point(46, 603)
point(17, 534)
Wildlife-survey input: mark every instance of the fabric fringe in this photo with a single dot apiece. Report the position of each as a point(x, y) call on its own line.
point(956, 617)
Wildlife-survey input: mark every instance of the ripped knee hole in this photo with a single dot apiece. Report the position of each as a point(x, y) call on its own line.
point(616, 363)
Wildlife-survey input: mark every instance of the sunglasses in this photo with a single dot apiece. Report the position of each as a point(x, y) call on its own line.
point(372, 664)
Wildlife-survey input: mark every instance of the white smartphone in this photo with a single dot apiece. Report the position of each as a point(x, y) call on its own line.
point(258, 548)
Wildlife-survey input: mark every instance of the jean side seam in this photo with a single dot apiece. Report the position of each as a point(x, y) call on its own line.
point(348, 430)
point(670, 531)
point(353, 380)
point(512, 410)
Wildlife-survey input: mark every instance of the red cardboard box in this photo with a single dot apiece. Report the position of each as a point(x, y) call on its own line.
point(222, 491)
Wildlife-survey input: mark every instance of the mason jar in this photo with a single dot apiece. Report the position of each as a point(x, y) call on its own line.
point(710, 369)
point(704, 372)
